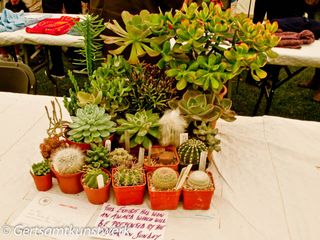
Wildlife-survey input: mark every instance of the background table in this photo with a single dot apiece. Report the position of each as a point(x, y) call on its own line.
point(269, 187)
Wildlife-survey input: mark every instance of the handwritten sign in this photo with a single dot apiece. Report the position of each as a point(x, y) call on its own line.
point(131, 222)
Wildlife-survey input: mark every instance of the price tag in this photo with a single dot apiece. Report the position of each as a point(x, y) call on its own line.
point(100, 181)
point(107, 145)
point(203, 160)
point(141, 156)
point(183, 137)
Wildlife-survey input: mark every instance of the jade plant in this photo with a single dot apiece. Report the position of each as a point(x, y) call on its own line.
point(164, 178)
point(207, 133)
point(90, 125)
point(41, 168)
point(98, 156)
point(190, 151)
point(120, 157)
point(68, 160)
point(90, 177)
point(129, 176)
point(199, 180)
point(141, 128)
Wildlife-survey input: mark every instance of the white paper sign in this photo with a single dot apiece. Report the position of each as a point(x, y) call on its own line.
point(183, 137)
point(55, 216)
point(131, 222)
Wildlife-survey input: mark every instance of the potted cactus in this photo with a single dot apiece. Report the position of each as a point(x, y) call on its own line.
point(128, 185)
point(189, 152)
point(90, 185)
point(161, 186)
point(90, 125)
point(67, 164)
point(143, 127)
point(98, 156)
point(41, 175)
point(120, 157)
point(198, 190)
point(161, 157)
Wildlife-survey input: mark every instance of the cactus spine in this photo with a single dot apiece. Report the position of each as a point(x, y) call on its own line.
point(120, 157)
point(199, 180)
point(189, 152)
point(129, 176)
point(68, 160)
point(90, 178)
point(164, 178)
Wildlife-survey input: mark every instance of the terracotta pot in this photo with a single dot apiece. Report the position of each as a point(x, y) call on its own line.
point(198, 199)
point(69, 183)
point(43, 183)
point(98, 196)
point(128, 195)
point(163, 200)
point(174, 166)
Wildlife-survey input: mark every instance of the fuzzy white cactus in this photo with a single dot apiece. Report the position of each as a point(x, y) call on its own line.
point(68, 160)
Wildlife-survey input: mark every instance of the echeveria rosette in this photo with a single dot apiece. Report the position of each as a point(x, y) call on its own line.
point(140, 127)
point(90, 125)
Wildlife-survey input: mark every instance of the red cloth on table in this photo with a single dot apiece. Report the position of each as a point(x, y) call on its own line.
point(53, 26)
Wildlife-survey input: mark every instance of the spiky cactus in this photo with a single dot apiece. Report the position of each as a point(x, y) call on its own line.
point(90, 125)
point(68, 160)
point(90, 177)
point(129, 176)
point(189, 152)
point(120, 157)
point(199, 180)
point(164, 178)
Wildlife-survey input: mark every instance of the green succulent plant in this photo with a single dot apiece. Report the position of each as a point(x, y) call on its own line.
point(90, 177)
point(141, 127)
point(129, 176)
point(41, 168)
point(164, 178)
point(90, 125)
point(207, 134)
point(98, 156)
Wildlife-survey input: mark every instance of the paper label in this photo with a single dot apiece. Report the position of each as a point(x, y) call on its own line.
point(183, 137)
point(107, 145)
point(141, 156)
point(100, 181)
point(203, 160)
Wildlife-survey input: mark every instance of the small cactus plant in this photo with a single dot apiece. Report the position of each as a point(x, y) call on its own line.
point(98, 157)
point(164, 178)
point(199, 180)
point(40, 168)
point(68, 160)
point(129, 176)
point(90, 177)
point(121, 157)
point(189, 152)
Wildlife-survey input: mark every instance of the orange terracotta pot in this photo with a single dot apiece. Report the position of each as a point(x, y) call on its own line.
point(150, 168)
point(163, 200)
point(69, 183)
point(198, 199)
point(98, 196)
point(128, 195)
point(43, 183)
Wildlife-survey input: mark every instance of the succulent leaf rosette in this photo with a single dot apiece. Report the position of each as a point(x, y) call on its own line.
point(90, 125)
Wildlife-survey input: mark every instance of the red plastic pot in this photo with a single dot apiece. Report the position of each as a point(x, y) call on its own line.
point(43, 183)
point(128, 195)
point(98, 196)
point(198, 199)
point(163, 200)
point(150, 168)
point(69, 183)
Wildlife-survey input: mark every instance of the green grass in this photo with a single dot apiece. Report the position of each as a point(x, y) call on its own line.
point(289, 100)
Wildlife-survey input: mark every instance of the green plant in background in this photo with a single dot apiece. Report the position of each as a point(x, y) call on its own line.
point(71, 104)
point(152, 89)
point(129, 176)
point(141, 127)
point(68, 160)
point(164, 178)
point(120, 157)
point(90, 125)
point(207, 133)
point(41, 168)
point(90, 28)
point(98, 156)
point(199, 180)
point(90, 177)
point(190, 151)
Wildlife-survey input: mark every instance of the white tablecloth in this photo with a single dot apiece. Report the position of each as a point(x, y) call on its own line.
point(269, 188)
point(22, 37)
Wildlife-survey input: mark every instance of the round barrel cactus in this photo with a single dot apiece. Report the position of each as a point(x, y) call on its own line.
point(68, 160)
point(189, 151)
point(129, 176)
point(164, 178)
point(199, 180)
